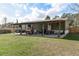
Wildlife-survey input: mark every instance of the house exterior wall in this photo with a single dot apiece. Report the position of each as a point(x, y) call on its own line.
point(38, 27)
point(48, 26)
point(23, 27)
point(16, 27)
point(66, 25)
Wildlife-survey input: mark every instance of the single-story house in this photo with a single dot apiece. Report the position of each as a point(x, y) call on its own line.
point(52, 27)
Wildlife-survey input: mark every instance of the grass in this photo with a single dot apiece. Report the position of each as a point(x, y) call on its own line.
point(74, 36)
point(14, 45)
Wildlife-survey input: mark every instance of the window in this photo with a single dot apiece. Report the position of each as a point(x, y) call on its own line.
point(29, 25)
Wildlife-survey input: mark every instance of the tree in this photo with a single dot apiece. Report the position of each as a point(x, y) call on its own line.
point(56, 17)
point(64, 15)
point(5, 20)
point(47, 18)
point(16, 20)
point(74, 7)
point(70, 17)
point(76, 20)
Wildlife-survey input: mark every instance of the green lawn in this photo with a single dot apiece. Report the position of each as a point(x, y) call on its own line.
point(14, 45)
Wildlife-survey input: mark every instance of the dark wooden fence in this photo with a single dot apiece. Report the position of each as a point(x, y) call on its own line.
point(74, 30)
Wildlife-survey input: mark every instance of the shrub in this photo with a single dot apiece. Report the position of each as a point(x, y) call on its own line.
point(5, 31)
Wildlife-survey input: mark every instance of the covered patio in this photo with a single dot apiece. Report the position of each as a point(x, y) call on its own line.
point(53, 28)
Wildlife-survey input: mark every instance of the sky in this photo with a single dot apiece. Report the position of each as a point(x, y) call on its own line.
point(32, 11)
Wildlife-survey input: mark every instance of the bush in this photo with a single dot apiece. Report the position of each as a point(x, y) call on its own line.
point(5, 31)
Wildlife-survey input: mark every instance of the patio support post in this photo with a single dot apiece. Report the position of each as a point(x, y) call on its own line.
point(43, 29)
point(21, 29)
point(64, 27)
point(59, 28)
point(25, 28)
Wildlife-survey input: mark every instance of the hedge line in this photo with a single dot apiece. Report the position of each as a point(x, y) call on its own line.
point(5, 31)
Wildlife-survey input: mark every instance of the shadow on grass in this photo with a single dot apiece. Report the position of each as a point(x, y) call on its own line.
point(72, 37)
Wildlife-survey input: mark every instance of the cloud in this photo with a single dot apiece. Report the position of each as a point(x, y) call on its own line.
point(20, 5)
point(1, 17)
point(55, 8)
point(9, 18)
point(17, 13)
point(19, 8)
point(35, 13)
point(38, 14)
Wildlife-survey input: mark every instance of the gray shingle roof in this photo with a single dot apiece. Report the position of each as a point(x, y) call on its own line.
point(39, 21)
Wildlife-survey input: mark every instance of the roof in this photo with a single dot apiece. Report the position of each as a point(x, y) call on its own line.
point(39, 21)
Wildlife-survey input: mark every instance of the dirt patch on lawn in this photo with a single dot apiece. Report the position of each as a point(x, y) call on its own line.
point(58, 48)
